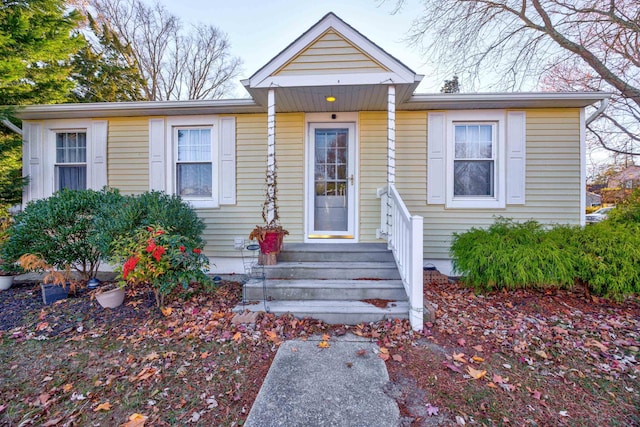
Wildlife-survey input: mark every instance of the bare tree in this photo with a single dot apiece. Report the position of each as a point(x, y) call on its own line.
point(559, 44)
point(175, 64)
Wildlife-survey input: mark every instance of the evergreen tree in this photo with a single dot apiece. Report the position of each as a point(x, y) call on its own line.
point(102, 69)
point(38, 39)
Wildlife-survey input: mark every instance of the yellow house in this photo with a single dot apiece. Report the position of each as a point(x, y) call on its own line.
point(361, 158)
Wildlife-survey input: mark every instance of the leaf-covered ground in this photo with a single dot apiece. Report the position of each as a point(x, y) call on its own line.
point(523, 358)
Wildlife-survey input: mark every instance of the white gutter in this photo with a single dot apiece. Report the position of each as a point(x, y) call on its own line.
point(603, 106)
point(11, 126)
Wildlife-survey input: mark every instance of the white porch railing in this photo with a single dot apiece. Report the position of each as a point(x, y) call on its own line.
point(404, 234)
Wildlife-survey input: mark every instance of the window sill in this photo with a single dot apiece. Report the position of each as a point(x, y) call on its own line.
point(475, 203)
point(202, 203)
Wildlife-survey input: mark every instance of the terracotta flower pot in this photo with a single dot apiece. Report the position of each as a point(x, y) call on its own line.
point(112, 298)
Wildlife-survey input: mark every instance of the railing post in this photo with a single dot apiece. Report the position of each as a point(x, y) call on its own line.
point(416, 299)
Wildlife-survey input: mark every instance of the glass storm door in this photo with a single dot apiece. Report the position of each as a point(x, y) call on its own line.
point(332, 213)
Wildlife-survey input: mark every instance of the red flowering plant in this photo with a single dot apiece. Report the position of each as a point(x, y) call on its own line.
point(164, 260)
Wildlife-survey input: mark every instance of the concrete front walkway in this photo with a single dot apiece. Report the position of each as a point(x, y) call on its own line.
point(336, 386)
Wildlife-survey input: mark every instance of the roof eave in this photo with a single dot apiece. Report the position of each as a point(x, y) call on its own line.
point(457, 101)
point(137, 109)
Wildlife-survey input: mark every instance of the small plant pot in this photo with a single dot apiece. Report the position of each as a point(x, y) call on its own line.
point(52, 293)
point(112, 298)
point(270, 247)
point(5, 282)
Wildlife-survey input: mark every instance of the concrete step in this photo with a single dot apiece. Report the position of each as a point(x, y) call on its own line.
point(386, 270)
point(300, 289)
point(318, 252)
point(332, 311)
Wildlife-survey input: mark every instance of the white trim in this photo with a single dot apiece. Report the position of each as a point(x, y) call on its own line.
point(271, 154)
point(471, 116)
point(399, 70)
point(172, 123)
point(342, 79)
point(391, 134)
point(96, 161)
point(319, 120)
point(583, 168)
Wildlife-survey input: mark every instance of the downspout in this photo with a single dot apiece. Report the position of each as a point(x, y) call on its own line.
point(603, 106)
point(11, 126)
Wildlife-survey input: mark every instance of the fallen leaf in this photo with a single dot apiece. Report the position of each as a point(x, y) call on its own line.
point(2, 408)
point(397, 357)
point(237, 337)
point(564, 413)
point(106, 406)
point(542, 354)
point(492, 385)
point(294, 349)
point(272, 336)
point(361, 352)
point(454, 368)
point(590, 342)
point(135, 420)
point(432, 410)
point(67, 387)
point(146, 373)
point(462, 342)
point(384, 356)
point(459, 357)
point(478, 348)
point(166, 311)
point(536, 394)
point(151, 357)
point(44, 398)
point(384, 350)
point(498, 379)
point(324, 344)
point(42, 325)
point(475, 373)
point(477, 359)
point(204, 355)
point(326, 337)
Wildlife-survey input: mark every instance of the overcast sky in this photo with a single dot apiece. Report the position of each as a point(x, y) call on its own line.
point(259, 30)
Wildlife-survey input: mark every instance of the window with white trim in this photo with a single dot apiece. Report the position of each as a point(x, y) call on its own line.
point(71, 160)
point(194, 168)
point(474, 162)
point(476, 158)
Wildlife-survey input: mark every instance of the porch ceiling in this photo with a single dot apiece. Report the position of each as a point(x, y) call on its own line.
point(348, 97)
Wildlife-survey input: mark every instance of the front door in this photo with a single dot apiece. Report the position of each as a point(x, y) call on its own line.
point(331, 181)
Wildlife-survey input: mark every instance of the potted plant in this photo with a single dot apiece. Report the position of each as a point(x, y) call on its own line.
point(159, 258)
point(271, 235)
point(56, 285)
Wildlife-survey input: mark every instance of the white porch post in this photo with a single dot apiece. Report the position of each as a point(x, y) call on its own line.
point(271, 152)
point(391, 135)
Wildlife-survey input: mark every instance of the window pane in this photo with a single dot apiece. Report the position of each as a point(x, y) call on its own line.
point(194, 145)
point(71, 147)
point(194, 180)
point(473, 178)
point(71, 177)
point(473, 141)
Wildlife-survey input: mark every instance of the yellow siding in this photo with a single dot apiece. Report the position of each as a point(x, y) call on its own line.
point(128, 154)
point(227, 222)
point(373, 170)
point(552, 179)
point(330, 53)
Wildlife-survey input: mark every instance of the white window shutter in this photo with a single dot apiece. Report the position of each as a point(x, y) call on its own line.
point(98, 167)
point(228, 160)
point(436, 168)
point(157, 155)
point(33, 164)
point(516, 159)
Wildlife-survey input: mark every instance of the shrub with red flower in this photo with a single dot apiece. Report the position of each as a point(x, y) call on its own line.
point(159, 258)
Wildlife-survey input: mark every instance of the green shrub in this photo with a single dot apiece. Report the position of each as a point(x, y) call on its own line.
point(610, 262)
point(61, 229)
point(627, 211)
point(514, 255)
point(148, 209)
